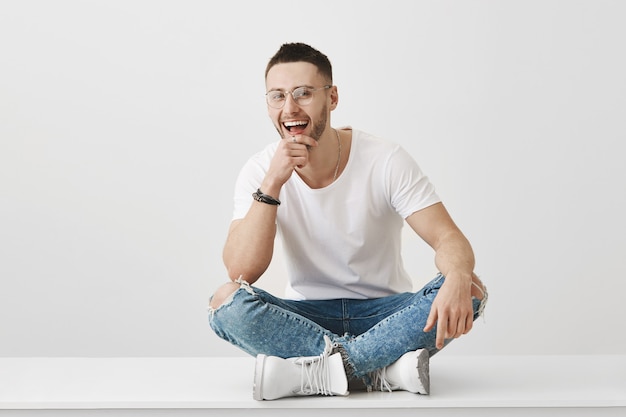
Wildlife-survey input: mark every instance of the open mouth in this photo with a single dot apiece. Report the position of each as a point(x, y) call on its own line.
point(296, 127)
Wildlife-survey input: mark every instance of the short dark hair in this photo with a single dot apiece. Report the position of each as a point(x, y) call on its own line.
point(300, 52)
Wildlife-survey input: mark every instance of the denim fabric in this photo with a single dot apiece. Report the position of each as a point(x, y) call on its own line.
point(371, 334)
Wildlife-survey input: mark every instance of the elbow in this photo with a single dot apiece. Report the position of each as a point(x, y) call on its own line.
point(248, 274)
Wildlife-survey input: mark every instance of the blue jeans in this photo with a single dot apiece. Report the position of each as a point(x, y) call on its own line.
point(371, 334)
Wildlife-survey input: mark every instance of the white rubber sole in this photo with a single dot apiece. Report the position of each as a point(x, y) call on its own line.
point(257, 388)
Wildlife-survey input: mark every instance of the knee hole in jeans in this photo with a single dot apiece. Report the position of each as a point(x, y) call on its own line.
point(223, 294)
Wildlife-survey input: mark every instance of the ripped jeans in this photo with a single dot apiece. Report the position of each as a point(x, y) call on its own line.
point(371, 333)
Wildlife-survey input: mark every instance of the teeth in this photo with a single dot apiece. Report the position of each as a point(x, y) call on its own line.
point(296, 123)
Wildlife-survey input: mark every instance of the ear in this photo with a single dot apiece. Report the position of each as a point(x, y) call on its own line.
point(334, 97)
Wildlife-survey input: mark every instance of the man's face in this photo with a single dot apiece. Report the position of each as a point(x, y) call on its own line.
point(293, 118)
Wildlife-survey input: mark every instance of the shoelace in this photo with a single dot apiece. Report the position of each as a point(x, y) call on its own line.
point(379, 382)
point(315, 375)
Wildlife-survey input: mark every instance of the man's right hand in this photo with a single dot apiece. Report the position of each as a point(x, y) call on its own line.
point(292, 153)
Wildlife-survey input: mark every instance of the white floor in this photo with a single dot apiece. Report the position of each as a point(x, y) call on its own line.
point(470, 385)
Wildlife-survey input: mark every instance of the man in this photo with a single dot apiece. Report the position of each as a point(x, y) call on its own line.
point(339, 199)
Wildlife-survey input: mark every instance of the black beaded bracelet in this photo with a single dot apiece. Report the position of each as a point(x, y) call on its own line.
point(264, 198)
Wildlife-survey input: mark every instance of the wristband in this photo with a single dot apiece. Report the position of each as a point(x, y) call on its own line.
point(264, 198)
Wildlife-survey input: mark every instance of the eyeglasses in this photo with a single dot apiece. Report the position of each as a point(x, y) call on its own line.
point(301, 95)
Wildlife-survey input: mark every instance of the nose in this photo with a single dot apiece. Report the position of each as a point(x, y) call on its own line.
point(290, 104)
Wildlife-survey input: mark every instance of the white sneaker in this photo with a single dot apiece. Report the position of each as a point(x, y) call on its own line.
point(409, 373)
point(276, 377)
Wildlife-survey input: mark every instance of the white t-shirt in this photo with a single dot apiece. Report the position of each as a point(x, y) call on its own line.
point(344, 240)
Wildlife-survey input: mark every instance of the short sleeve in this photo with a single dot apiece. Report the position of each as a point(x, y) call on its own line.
point(409, 189)
point(249, 179)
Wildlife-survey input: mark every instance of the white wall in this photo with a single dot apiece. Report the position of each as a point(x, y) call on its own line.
point(124, 123)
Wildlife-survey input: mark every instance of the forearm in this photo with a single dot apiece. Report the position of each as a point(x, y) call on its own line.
point(250, 244)
point(454, 257)
point(452, 310)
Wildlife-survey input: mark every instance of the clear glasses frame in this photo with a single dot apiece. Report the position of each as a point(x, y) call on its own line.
point(301, 95)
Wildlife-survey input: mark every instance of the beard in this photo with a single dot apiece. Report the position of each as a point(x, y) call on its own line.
point(320, 126)
point(317, 129)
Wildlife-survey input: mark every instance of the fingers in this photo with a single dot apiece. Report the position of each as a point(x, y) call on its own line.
point(449, 326)
point(469, 323)
point(299, 140)
point(297, 154)
point(442, 328)
point(295, 150)
point(447, 330)
point(434, 319)
point(431, 321)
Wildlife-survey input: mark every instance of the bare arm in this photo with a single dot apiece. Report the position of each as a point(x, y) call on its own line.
point(452, 308)
point(250, 243)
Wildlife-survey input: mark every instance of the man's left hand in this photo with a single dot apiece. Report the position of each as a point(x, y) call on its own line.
point(452, 310)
